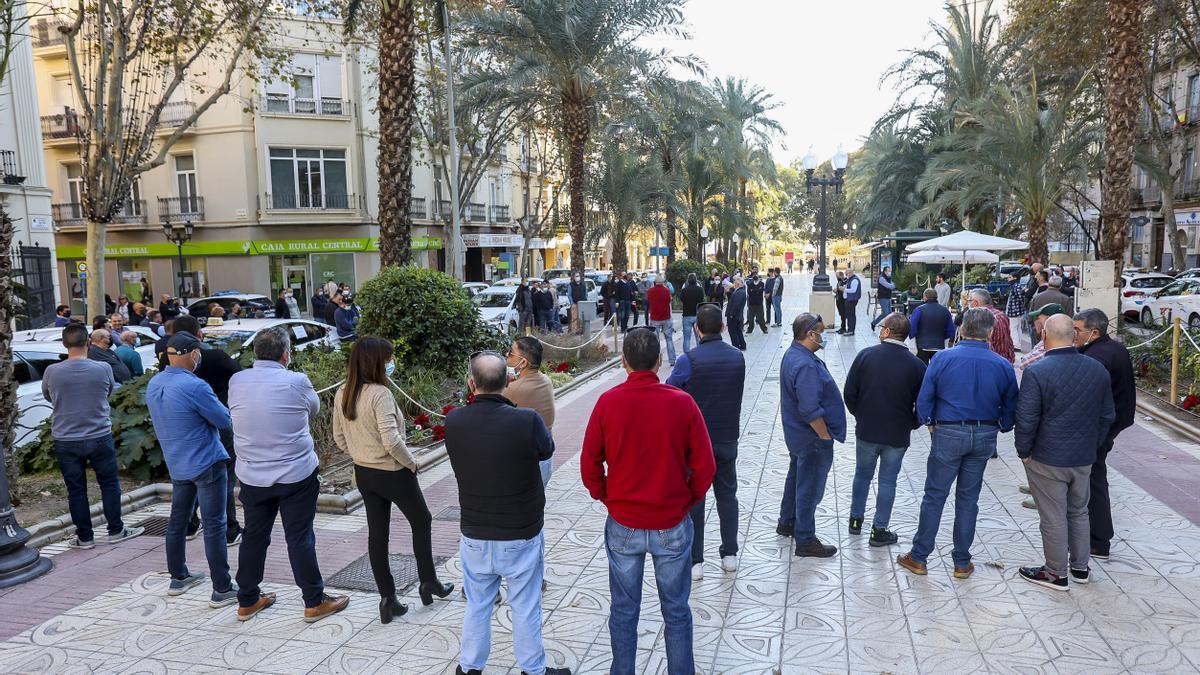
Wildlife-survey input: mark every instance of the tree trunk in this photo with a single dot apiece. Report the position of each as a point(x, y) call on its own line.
point(1037, 240)
point(94, 256)
point(668, 167)
point(620, 257)
point(1123, 90)
point(397, 87)
point(577, 127)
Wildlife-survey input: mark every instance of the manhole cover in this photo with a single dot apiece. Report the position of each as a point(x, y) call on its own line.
point(357, 575)
point(156, 526)
point(452, 513)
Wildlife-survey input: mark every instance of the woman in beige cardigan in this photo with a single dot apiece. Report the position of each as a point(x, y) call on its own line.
point(368, 426)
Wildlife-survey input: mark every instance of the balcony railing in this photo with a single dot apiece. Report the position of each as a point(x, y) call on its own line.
point(181, 208)
point(530, 165)
point(416, 207)
point(45, 33)
point(61, 125)
point(444, 210)
point(66, 215)
point(71, 214)
point(174, 113)
point(499, 214)
point(8, 168)
point(310, 201)
point(134, 211)
point(476, 213)
point(319, 107)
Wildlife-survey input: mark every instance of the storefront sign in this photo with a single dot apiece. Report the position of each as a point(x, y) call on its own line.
point(161, 250)
point(492, 240)
point(311, 246)
point(426, 243)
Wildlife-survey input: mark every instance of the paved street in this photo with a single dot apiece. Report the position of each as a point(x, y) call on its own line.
point(105, 611)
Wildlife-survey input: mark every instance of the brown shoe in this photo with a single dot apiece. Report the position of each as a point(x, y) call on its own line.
point(332, 604)
point(906, 561)
point(964, 572)
point(264, 601)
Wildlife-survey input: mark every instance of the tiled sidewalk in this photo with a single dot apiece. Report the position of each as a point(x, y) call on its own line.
point(856, 612)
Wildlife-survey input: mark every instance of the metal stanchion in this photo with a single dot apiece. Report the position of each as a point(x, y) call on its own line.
point(1175, 361)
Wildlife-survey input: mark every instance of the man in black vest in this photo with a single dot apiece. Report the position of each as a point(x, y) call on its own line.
point(714, 373)
point(735, 313)
point(932, 326)
point(755, 292)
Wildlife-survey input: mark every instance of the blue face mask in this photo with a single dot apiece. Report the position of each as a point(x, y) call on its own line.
point(390, 368)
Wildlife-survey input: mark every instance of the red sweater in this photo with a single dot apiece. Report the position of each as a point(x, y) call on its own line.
point(660, 302)
point(660, 460)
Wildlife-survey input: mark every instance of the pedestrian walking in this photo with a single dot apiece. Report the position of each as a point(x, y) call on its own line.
point(625, 293)
point(495, 449)
point(714, 374)
point(578, 293)
point(277, 466)
point(187, 418)
point(777, 296)
point(643, 288)
point(128, 355)
point(735, 312)
point(881, 392)
point(658, 299)
point(851, 294)
point(755, 294)
point(883, 293)
point(608, 297)
point(1064, 411)
point(1092, 340)
point(81, 428)
point(101, 350)
point(690, 297)
point(649, 470)
point(368, 426)
point(969, 394)
point(531, 388)
point(932, 326)
point(813, 418)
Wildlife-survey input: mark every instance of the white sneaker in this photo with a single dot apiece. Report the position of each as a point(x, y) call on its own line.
point(698, 572)
point(729, 563)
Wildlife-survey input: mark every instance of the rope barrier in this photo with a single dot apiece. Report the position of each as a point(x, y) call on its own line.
point(335, 385)
point(1189, 337)
point(590, 340)
point(1167, 330)
point(413, 400)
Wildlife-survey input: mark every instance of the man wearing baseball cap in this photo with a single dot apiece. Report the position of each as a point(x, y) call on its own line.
point(1038, 318)
point(187, 419)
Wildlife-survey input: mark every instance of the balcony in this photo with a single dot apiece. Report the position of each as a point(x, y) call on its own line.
point(310, 201)
point(444, 209)
point(476, 213)
point(530, 165)
point(67, 215)
point(62, 125)
point(71, 214)
point(283, 104)
point(181, 208)
point(500, 215)
point(1187, 190)
point(416, 207)
point(8, 168)
point(46, 33)
point(175, 113)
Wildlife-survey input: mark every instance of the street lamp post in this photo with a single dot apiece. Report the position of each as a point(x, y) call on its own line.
point(704, 245)
point(822, 301)
point(179, 235)
point(737, 250)
point(18, 562)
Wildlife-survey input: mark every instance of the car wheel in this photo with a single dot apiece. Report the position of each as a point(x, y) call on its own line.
point(1194, 321)
point(1147, 317)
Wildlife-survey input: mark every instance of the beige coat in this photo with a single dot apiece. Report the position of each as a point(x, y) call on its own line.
point(375, 438)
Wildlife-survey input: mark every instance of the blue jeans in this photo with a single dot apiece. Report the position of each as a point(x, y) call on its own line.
point(689, 333)
point(545, 318)
point(624, 310)
point(668, 332)
point(805, 486)
point(958, 453)
point(484, 564)
point(885, 308)
point(777, 303)
point(671, 551)
point(546, 466)
point(889, 459)
point(73, 459)
point(209, 489)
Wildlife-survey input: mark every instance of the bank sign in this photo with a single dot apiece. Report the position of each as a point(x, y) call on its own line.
point(246, 247)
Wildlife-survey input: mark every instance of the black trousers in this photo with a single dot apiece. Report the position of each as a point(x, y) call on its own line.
point(1099, 505)
point(850, 314)
point(926, 354)
point(296, 505)
point(756, 314)
point(841, 310)
point(725, 488)
point(380, 489)
point(736, 338)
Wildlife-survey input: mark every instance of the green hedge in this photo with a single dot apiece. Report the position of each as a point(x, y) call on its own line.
point(678, 271)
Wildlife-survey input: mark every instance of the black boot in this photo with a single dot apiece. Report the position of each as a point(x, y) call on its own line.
point(390, 607)
point(430, 589)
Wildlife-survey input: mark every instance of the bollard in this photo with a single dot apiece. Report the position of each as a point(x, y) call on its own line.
point(616, 347)
point(1175, 361)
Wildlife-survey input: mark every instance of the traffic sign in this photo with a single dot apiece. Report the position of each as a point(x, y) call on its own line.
point(81, 267)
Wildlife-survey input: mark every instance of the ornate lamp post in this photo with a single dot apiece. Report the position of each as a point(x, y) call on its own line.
point(180, 235)
point(18, 562)
point(704, 244)
point(737, 249)
point(821, 281)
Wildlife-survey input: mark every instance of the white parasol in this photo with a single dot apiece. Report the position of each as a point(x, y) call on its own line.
point(966, 242)
point(953, 257)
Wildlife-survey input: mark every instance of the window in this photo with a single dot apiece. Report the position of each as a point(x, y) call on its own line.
point(308, 179)
point(22, 372)
point(311, 85)
point(1188, 168)
point(40, 361)
point(1193, 97)
point(185, 183)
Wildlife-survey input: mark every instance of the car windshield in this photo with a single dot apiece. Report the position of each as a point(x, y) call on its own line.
point(492, 299)
point(225, 338)
point(1150, 282)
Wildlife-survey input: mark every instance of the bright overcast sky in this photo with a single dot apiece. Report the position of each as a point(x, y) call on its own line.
point(820, 58)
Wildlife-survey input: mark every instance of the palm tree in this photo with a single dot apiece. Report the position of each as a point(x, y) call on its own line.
point(571, 59)
point(627, 188)
point(1123, 77)
point(701, 186)
point(746, 133)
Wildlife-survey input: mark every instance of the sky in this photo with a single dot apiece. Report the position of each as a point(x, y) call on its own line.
point(821, 59)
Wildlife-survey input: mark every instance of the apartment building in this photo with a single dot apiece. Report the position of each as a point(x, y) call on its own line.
point(278, 180)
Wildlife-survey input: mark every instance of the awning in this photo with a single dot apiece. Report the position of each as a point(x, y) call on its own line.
point(866, 247)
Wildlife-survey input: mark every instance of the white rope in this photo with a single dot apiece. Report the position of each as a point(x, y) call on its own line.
point(413, 400)
point(1189, 337)
point(1167, 330)
point(332, 386)
point(598, 334)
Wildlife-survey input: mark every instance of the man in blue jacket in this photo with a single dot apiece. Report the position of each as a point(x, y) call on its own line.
point(714, 373)
point(969, 394)
point(813, 418)
point(1064, 412)
point(735, 313)
point(932, 326)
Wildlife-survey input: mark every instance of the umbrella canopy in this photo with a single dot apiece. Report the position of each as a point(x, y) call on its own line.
point(968, 241)
point(953, 257)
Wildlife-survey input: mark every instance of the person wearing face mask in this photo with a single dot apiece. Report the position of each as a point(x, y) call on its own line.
point(281, 308)
point(813, 418)
point(187, 418)
point(62, 316)
point(578, 293)
point(101, 350)
point(529, 387)
point(735, 313)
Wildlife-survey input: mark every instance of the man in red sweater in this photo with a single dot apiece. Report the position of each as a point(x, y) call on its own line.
point(659, 298)
point(660, 462)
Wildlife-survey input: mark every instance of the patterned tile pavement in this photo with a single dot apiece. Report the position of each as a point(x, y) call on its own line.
point(106, 611)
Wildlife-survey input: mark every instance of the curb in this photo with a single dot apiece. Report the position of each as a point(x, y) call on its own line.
point(1163, 418)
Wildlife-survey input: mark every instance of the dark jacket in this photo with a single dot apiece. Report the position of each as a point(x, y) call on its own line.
point(1064, 409)
point(932, 325)
point(281, 309)
point(735, 311)
point(690, 297)
point(1115, 359)
point(524, 300)
point(1052, 296)
point(754, 293)
point(216, 367)
point(346, 320)
point(168, 310)
point(625, 291)
point(578, 291)
point(881, 392)
point(331, 309)
point(713, 289)
point(318, 306)
point(120, 371)
point(714, 374)
point(778, 286)
point(495, 448)
point(606, 290)
point(543, 300)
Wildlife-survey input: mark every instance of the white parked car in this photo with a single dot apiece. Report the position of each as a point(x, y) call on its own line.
point(563, 286)
point(1135, 288)
point(495, 306)
point(53, 336)
point(249, 302)
point(304, 333)
point(1180, 298)
point(1193, 273)
point(473, 287)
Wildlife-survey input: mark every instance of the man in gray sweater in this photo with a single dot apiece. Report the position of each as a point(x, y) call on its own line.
point(1064, 410)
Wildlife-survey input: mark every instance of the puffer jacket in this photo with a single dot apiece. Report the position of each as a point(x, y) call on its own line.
point(1064, 409)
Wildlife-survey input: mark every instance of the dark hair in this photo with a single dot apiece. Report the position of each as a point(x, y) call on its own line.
point(1093, 319)
point(99, 322)
point(804, 323)
point(186, 323)
point(271, 344)
point(641, 349)
point(691, 280)
point(898, 324)
point(489, 372)
point(941, 276)
point(531, 348)
point(60, 308)
point(74, 336)
point(709, 319)
point(367, 365)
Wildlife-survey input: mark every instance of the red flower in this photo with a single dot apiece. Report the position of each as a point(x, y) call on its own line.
point(470, 398)
point(1192, 401)
point(446, 410)
point(563, 367)
point(439, 432)
point(421, 421)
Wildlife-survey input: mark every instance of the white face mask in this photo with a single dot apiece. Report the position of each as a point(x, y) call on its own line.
point(390, 368)
point(819, 339)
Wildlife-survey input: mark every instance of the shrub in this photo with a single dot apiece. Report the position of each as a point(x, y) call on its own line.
point(426, 315)
point(678, 271)
point(714, 266)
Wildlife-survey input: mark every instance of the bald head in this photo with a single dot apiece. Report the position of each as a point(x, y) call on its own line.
point(101, 338)
point(489, 373)
point(1059, 331)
